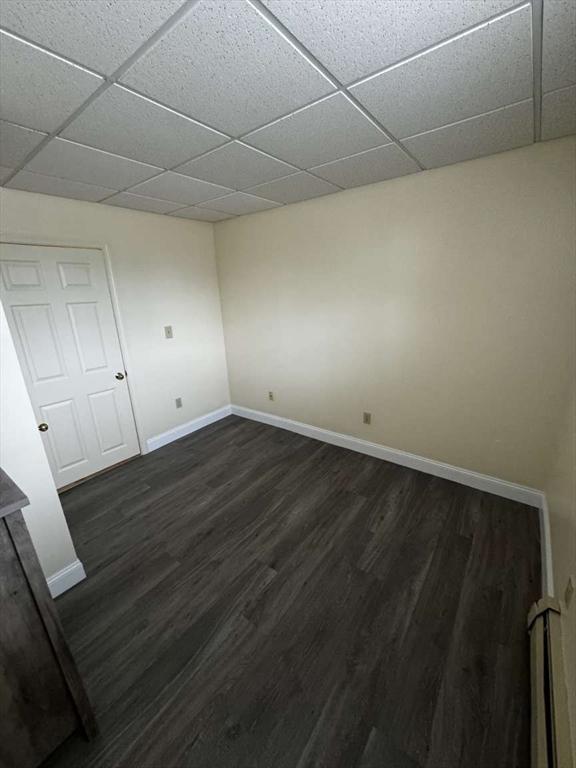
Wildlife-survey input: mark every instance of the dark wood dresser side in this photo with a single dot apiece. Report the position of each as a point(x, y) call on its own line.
point(42, 698)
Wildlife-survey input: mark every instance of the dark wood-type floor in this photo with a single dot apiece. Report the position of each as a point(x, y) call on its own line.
point(259, 599)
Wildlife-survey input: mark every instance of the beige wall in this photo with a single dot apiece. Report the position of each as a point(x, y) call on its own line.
point(165, 274)
point(22, 456)
point(442, 302)
point(560, 490)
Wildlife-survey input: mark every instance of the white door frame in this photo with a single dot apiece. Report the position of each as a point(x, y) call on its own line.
point(35, 240)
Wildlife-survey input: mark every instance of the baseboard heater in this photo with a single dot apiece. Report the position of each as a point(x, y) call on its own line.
point(550, 728)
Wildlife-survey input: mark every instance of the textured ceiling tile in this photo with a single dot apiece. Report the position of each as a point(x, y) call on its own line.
point(141, 203)
point(559, 113)
point(558, 44)
point(201, 214)
point(330, 129)
point(489, 68)
point(354, 38)
point(178, 188)
point(97, 33)
point(78, 163)
point(4, 173)
point(16, 142)
point(240, 203)
point(504, 129)
point(49, 185)
point(122, 122)
point(38, 90)
point(226, 66)
point(368, 167)
point(301, 186)
point(236, 166)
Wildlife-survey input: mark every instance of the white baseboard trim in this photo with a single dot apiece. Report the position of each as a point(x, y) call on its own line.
point(546, 550)
point(525, 495)
point(65, 579)
point(521, 493)
point(186, 429)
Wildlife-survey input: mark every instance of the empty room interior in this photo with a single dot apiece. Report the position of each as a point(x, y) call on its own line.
point(288, 384)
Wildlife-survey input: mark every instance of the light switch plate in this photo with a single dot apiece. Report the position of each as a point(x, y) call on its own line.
point(168, 332)
point(178, 402)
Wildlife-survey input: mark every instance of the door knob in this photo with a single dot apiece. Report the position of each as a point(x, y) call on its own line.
point(43, 427)
point(119, 376)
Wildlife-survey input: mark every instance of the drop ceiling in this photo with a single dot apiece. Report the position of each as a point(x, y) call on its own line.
point(208, 109)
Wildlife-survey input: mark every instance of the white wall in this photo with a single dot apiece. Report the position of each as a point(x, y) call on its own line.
point(441, 302)
point(561, 495)
point(23, 457)
point(165, 274)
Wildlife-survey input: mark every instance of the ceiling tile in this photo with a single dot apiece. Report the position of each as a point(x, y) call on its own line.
point(127, 124)
point(178, 188)
point(99, 34)
point(292, 189)
point(141, 203)
point(354, 39)
point(201, 214)
point(240, 203)
point(50, 185)
point(559, 113)
point(4, 173)
point(330, 129)
point(79, 163)
point(226, 66)
point(236, 166)
point(16, 143)
point(558, 44)
point(497, 131)
point(486, 69)
point(39, 90)
point(368, 167)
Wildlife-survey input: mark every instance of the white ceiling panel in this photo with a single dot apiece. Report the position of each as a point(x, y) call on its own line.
point(236, 166)
point(368, 167)
point(201, 214)
point(38, 90)
point(50, 185)
point(330, 129)
point(141, 203)
point(355, 38)
point(559, 113)
point(127, 124)
point(16, 143)
point(177, 188)
point(92, 166)
point(292, 189)
point(558, 44)
point(486, 69)
point(507, 128)
point(224, 65)
point(240, 203)
point(97, 33)
point(4, 173)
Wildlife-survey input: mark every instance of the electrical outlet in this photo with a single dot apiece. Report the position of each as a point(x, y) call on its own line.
point(270, 395)
point(570, 589)
point(168, 332)
point(366, 418)
point(178, 402)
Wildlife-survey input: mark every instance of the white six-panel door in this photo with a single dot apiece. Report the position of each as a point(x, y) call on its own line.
point(60, 313)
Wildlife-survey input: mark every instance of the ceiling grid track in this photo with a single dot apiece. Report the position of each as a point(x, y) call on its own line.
point(354, 98)
point(537, 33)
point(107, 81)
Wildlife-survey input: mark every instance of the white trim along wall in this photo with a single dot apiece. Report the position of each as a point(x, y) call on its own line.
point(523, 494)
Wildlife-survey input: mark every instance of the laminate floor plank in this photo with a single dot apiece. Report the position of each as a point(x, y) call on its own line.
point(259, 599)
